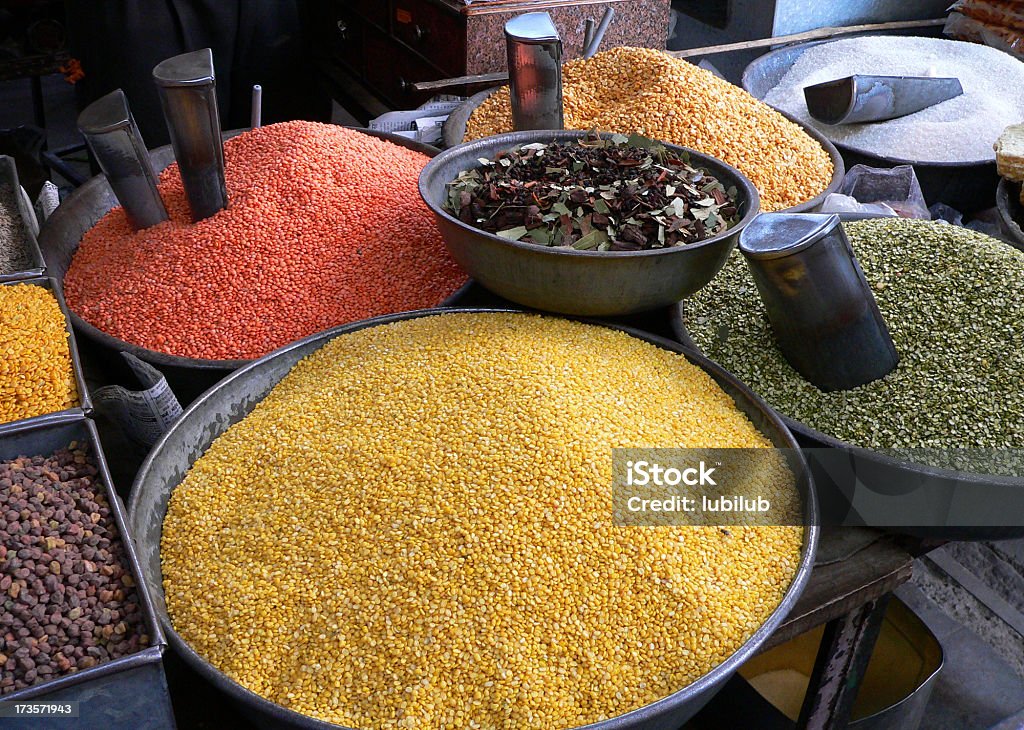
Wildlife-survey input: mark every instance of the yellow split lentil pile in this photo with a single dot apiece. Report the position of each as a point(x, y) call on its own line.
point(36, 376)
point(647, 91)
point(414, 530)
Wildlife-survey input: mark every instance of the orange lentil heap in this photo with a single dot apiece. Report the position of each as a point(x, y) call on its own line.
point(647, 91)
point(324, 226)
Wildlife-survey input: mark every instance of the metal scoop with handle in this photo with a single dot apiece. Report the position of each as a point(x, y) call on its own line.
point(861, 98)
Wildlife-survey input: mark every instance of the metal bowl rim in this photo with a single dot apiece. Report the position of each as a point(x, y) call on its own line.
point(846, 147)
point(166, 359)
point(717, 674)
point(514, 138)
point(1003, 202)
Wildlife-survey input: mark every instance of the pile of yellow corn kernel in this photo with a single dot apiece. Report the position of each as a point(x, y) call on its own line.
point(414, 530)
point(649, 92)
point(36, 375)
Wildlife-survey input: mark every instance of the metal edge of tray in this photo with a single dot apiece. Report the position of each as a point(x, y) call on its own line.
point(1010, 213)
point(59, 432)
point(454, 131)
point(84, 400)
point(9, 175)
point(161, 158)
point(785, 56)
point(701, 689)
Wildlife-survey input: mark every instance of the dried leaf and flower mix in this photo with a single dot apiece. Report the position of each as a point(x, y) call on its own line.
point(596, 194)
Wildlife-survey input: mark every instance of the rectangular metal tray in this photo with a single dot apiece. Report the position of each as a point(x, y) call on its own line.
point(84, 401)
point(9, 175)
point(129, 693)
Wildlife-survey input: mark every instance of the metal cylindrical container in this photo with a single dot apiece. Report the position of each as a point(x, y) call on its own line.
point(188, 95)
point(111, 133)
point(825, 319)
point(535, 72)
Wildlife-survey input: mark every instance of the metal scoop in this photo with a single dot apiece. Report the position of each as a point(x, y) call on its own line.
point(820, 306)
point(112, 135)
point(188, 95)
point(860, 98)
point(535, 71)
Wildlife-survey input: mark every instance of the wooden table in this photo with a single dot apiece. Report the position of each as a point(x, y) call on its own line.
point(849, 589)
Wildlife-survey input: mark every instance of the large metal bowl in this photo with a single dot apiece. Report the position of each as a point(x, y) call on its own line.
point(63, 231)
point(234, 397)
point(842, 471)
point(567, 281)
point(455, 132)
point(966, 186)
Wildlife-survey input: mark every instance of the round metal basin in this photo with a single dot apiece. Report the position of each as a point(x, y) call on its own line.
point(234, 397)
point(965, 186)
point(63, 231)
point(567, 281)
point(850, 467)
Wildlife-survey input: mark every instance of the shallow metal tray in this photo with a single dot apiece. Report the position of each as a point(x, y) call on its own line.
point(85, 402)
point(9, 175)
point(966, 186)
point(129, 693)
point(840, 469)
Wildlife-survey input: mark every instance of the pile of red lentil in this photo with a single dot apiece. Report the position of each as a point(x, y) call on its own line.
point(324, 226)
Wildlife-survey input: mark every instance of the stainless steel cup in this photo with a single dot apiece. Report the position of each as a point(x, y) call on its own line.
point(535, 71)
point(111, 133)
point(188, 94)
point(820, 306)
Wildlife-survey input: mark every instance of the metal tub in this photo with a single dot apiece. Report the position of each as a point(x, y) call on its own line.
point(232, 399)
point(85, 403)
point(966, 186)
point(9, 175)
point(454, 131)
point(562, 279)
point(843, 471)
point(129, 693)
point(63, 231)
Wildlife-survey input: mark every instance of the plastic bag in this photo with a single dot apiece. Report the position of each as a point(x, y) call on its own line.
point(839, 203)
point(896, 187)
point(1009, 40)
point(1000, 13)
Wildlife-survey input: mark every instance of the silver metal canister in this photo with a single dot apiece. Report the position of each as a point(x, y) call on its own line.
point(535, 71)
point(116, 143)
point(824, 316)
point(188, 94)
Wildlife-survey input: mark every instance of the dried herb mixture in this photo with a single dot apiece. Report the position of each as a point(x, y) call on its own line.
point(615, 194)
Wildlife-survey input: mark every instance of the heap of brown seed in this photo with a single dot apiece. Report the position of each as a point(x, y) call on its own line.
point(67, 599)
